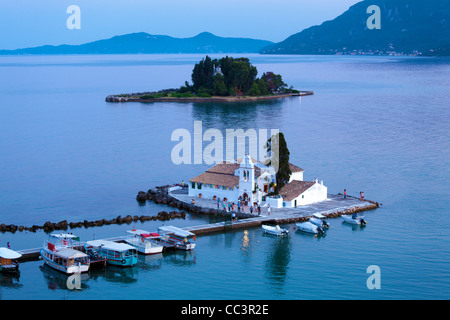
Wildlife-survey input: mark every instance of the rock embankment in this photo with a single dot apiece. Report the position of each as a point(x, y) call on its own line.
point(64, 225)
point(160, 195)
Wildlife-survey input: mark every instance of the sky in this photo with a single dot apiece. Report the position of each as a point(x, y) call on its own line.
point(29, 23)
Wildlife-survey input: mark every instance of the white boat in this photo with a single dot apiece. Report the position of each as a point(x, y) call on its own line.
point(275, 230)
point(115, 253)
point(310, 228)
point(354, 219)
point(8, 260)
point(145, 242)
point(59, 254)
point(177, 237)
point(318, 222)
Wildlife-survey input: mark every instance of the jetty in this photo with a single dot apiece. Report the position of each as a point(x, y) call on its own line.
point(334, 206)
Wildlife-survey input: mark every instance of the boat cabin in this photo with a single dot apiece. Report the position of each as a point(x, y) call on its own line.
point(119, 254)
point(8, 260)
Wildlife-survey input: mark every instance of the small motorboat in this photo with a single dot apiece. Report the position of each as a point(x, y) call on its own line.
point(353, 219)
point(145, 242)
point(8, 260)
point(177, 237)
point(308, 227)
point(275, 230)
point(319, 222)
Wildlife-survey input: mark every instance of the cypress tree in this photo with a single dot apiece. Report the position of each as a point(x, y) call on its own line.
point(279, 159)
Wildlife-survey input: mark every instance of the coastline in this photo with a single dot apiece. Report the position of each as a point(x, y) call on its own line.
point(133, 97)
point(333, 207)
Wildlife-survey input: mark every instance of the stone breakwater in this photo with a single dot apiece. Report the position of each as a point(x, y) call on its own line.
point(64, 225)
point(160, 195)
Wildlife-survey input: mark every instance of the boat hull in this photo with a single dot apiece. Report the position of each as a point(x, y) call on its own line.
point(11, 268)
point(187, 247)
point(356, 221)
point(308, 227)
point(144, 248)
point(125, 262)
point(63, 268)
point(274, 231)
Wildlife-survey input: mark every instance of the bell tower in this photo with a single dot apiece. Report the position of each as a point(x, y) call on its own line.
point(247, 178)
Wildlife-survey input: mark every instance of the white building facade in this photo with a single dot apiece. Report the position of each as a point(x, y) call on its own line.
point(249, 180)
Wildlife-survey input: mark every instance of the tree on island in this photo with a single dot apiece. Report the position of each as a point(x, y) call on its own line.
point(279, 159)
point(232, 77)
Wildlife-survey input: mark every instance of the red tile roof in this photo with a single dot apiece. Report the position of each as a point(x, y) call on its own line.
point(295, 188)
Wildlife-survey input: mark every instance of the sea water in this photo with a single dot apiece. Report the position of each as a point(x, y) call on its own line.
point(375, 124)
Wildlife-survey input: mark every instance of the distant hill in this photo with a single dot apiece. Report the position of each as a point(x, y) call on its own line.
point(407, 26)
point(146, 43)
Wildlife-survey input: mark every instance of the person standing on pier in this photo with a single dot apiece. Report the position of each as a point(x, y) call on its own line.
point(259, 210)
point(345, 193)
point(268, 209)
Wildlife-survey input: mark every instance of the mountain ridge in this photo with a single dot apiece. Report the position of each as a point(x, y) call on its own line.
point(407, 26)
point(142, 42)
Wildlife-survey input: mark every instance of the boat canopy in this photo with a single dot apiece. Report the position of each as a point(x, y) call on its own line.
point(318, 215)
point(64, 235)
point(110, 245)
point(176, 231)
point(68, 253)
point(6, 253)
point(139, 232)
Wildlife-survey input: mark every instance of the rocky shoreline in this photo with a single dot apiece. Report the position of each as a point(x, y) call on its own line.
point(160, 195)
point(136, 97)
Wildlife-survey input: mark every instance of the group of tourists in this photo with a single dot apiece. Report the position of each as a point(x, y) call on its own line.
point(240, 206)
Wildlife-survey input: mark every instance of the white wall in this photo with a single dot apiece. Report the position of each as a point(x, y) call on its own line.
point(316, 193)
point(296, 176)
point(209, 193)
point(275, 202)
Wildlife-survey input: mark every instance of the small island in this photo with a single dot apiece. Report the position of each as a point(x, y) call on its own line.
point(220, 80)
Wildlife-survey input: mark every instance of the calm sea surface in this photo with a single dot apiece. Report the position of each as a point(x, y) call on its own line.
point(375, 124)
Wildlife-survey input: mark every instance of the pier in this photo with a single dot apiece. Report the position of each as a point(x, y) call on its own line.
point(333, 207)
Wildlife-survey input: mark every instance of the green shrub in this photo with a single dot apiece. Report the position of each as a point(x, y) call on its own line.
point(204, 95)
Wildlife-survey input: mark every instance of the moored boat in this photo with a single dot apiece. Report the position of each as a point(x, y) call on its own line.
point(318, 220)
point(275, 230)
point(8, 260)
point(145, 242)
point(308, 227)
point(179, 238)
point(59, 254)
point(354, 219)
point(115, 253)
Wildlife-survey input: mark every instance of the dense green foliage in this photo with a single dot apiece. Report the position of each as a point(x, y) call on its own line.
point(279, 151)
point(232, 77)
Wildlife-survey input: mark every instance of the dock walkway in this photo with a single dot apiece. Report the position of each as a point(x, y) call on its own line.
point(335, 205)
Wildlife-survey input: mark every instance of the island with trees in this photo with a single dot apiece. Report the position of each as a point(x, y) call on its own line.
point(227, 79)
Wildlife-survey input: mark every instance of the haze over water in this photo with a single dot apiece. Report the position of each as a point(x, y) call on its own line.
point(375, 124)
